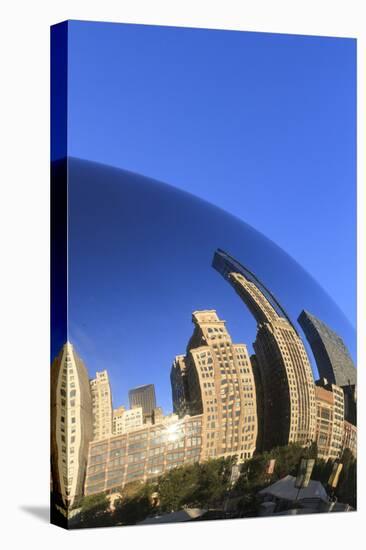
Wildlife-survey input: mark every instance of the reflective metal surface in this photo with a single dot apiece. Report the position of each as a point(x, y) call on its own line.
point(140, 255)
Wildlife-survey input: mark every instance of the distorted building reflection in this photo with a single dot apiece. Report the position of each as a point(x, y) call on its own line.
point(289, 407)
point(215, 379)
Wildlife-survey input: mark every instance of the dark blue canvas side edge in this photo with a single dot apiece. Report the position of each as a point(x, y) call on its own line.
point(58, 211)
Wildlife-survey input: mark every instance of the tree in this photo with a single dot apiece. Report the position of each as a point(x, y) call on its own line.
point(133, 488)
point(176, 488)
point(253, 473)
point(135, 505)
point(213, 482)
point(94, 511)
point(94, 502)
point(322, 470)
point(311, 451)
point(197, 485)
point(347, 485)
point(287, 459)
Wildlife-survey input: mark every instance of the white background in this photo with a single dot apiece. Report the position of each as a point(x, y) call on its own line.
point(24, 272)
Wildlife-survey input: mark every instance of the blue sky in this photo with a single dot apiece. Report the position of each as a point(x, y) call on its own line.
point(261, 125)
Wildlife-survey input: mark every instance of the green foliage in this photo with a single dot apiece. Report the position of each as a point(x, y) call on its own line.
point(347, 486)
point(213, 482)
point(176, 487)
point(287, 460)
point(135, 504)
point(322, 470)
point(254, 471)
point(197, 485)
point(94, 511)
point(208, 485)
point(311, 451)
point(132, 488)
point(94, 502)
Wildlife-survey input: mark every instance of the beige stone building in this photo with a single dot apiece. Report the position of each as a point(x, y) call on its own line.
point(330, 420)
point(143, 453)
point(102, 405)
point(350, 437)
point(289, 408)
point(71, 425)
point(157, 415)
point(117, 420)
point(215, 379)
point(126, 420)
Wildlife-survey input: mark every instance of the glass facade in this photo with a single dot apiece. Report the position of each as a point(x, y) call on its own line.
point(143, 454)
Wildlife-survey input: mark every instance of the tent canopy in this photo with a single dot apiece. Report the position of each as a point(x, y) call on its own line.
point(285, 489)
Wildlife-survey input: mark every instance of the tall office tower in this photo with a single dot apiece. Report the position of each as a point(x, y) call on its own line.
point(330, 419)
point(260, 400)
point(350, 403)
point(215, 379)
point(289, 408)
point(71, 425)
point(143, 396)
point(331, 355)
point(102, 405)
point(178, 380)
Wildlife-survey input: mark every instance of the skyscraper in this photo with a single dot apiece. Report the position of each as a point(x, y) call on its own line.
point(215, 379)
point(330, 419)
point(350, 437)
point(143, 396)
point(331, 355)
point(350, 403)
point(182, 404)
point(102, 405)
point(71, 425)
point(289, 408)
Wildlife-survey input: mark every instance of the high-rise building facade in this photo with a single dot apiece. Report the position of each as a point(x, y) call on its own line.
point(102, 405)
point(331, 355)
point(178, 380)
point(71, 425)
point(215, 379)
point(157, 416)
point(143, 453)
point(350, 403)
point(126, 420)
point(143, 396)
point(330, 420)
point(350, 437)
point(117, 420)
point(289, 407)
